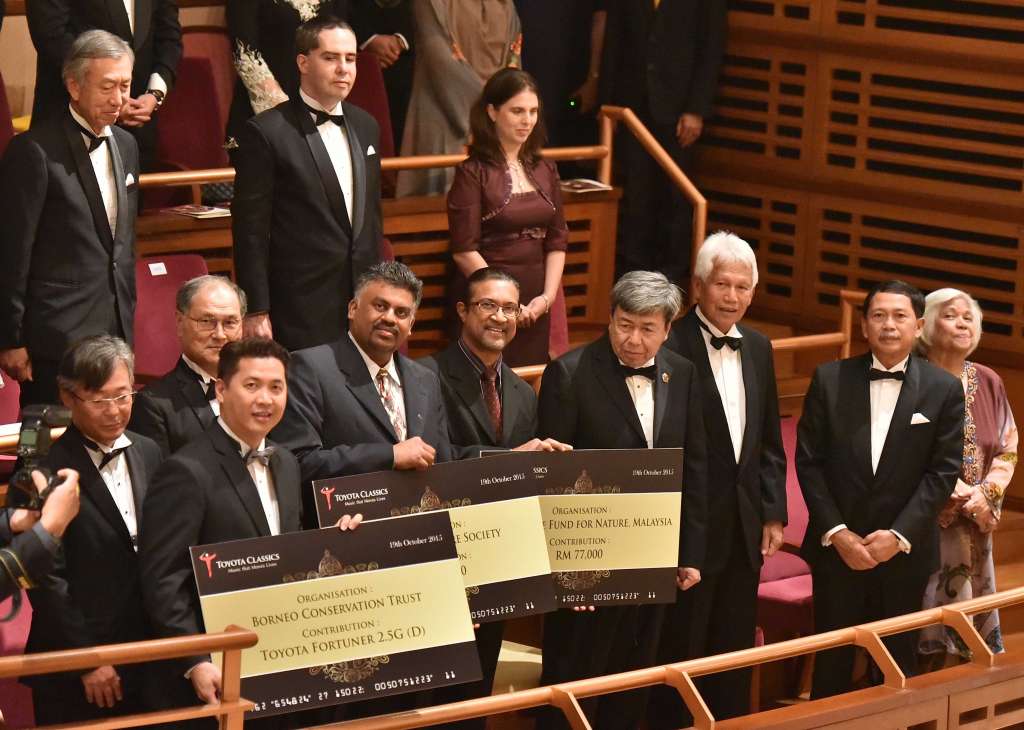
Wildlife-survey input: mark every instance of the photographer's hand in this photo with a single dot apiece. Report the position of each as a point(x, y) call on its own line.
point(62, 504)
point(16, 363)
point(102, 686)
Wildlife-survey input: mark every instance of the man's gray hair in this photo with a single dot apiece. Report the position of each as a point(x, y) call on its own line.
point(647, 292)
point(933, 304)
point(394, 273)
point(90, 362)
point(90, 45)
point(188, 290)
point(724, 247)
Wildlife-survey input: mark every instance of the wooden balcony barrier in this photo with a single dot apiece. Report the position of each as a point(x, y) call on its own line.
point(896, 695)
point(230, 710)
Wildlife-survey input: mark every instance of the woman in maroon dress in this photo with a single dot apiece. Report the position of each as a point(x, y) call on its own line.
point(505, 208)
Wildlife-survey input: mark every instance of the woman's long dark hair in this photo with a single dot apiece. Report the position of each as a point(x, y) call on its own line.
point(501, 87)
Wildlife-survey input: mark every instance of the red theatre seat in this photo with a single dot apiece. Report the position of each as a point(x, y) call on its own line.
point(370, 94)
point(15, 698)
point(10, 412)
point(190, 127)
point(156, 281)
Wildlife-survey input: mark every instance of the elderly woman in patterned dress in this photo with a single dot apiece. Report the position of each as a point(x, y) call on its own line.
point(952, 330)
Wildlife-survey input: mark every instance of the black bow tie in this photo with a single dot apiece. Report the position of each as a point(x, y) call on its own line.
point(94, 139)
point(323, 117)
point(876, 374)
point(108, 456)
point(717, 342)
point(211, 390)
point(260, 455)
point(648, 372)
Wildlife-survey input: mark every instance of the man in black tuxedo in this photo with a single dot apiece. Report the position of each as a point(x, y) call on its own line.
point(93, 595)
point(746, 465)
point(661, 59)
point(625, 391)
point(357, 405)
point(68, 196)
point(183, 404)
point(487, 406)
point(151, 29)
point(230, 484)
point(305, 229)
point(879, 448)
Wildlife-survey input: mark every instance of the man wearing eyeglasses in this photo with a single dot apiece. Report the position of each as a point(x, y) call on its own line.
point(183, 404)
point(93, 595)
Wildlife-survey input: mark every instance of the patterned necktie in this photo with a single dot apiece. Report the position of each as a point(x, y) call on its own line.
point(260, 455)
point(488, 386)
point(387, 397)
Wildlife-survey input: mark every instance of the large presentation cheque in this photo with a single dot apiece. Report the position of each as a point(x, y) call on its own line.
point(342, 616)
point(611, 522)
point(495, 516)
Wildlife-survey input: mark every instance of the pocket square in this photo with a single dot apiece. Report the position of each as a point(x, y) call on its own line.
point(370, 151)
point(918, 418)
point(130, 180)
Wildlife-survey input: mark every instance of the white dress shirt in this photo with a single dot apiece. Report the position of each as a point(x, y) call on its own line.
point(103, 166)
point(728, 372)
point(336, 141)
point(392, 371)
point(206, 380)
point(156, 81)
point(883, 394)
point(263, 478)
point(641, 390)
point(118, 478)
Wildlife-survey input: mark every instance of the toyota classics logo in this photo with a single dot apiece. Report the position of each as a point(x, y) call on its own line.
point(327, 492)
point(208, 558)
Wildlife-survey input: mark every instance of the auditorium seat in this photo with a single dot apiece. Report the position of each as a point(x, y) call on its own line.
point(6, 125)
point(213, 44)
point(15, 698)
point(10, 409)
point(157, 280)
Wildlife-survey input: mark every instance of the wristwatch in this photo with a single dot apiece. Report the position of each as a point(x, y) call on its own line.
point(158, 95)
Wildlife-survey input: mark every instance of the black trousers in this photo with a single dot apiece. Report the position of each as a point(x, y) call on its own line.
point(42, 389)
point(63, 701)
point(656, 221)
point(579, 645)
point(716, 616)
point(852, 597)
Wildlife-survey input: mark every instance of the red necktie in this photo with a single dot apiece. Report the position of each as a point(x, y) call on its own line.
point(488, 378)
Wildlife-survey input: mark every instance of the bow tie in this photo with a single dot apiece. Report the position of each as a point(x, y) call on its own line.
point(876, 374)
point(94, 139)
point(108, 456)
point(717, 342)
point(260, 455)
point(323, 117)
point(648, 372)
point(211, 390)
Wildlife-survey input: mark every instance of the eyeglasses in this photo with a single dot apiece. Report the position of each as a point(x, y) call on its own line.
point(100, 403)
point(209, 324)
point(511, 311)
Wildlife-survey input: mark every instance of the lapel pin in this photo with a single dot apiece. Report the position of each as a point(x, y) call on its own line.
point(664, 377)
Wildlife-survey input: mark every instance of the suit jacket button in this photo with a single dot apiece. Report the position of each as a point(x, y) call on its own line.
point(115, 266)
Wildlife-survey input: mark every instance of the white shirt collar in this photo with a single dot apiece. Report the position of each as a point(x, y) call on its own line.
point(310, 101)
point(901, 366)
point(373, 367)
point(645, 365)
point(205, 376)
point(243, 448)
point(733, 332)
point(105, 132)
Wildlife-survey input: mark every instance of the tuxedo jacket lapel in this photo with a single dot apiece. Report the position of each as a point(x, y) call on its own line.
point(856, 396)
point(194, 395)
point(752, 398)
point(615, 384)
point(143, 16)
point(140, 480)
point(328, 177)
point(119, 19)
point(900, 423)
point(94, 488)
point(240, 480)
point(358, 155)
point(662, 381)
point(87, 178)
point(510, 403)
point(290, 511)
point(467, 387)
point(720, 437)
point(122, 221)
point(363, 389)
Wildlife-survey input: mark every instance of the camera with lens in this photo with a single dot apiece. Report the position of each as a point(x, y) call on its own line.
point(33, 446)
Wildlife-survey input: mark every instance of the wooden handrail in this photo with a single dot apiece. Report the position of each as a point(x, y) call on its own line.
point(865, 635)
point(9, 444)
point(230, 709)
